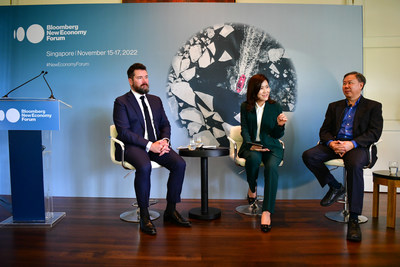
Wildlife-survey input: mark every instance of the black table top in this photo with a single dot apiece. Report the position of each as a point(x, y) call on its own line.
point(205, 152)
point(385, 174)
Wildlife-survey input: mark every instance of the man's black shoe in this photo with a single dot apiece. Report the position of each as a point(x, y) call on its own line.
point(353, 231)
point(176, 218)
point(147, 227)
point(332, 195)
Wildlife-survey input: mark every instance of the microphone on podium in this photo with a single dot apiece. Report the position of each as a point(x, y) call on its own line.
point(51, 91)
point(6, 95)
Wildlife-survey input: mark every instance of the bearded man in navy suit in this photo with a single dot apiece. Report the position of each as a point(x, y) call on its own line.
point(142, 125)
point(351, 125)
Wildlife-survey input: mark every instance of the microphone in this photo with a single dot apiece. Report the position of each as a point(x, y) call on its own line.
point(51, 91)
point(6, 95)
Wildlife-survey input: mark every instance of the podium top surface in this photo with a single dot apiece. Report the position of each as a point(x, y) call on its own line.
point(26, 99)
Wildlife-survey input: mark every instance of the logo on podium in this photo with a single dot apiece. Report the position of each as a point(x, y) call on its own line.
point(29, 114)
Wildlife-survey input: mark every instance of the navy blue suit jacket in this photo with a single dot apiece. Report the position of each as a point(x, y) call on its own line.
point(129, 121)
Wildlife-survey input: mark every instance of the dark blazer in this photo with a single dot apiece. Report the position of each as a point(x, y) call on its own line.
point(270, 131)
point(368, 122)
point(129, 121)
point(367, 125)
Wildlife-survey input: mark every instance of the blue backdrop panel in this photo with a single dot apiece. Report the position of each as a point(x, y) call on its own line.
point(199, 57)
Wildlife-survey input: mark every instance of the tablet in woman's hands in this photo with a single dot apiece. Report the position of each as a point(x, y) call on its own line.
point(257, 144)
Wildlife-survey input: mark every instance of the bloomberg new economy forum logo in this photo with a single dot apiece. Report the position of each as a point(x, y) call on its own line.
point(36, 33)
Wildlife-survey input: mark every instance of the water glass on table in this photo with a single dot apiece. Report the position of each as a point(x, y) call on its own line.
point(198, 141)
point(393, 167)
point(192, 144)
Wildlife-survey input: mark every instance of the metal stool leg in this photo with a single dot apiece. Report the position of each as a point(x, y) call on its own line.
point(134, 215)
point(342, 216)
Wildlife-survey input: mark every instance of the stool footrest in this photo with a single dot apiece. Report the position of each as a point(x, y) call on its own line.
point(151, 202)
point(251, 210)
point(343, 216)
point(134, 216)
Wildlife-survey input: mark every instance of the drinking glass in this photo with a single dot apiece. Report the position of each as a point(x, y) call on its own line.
point(198, 141)
point(192, 144)
point(393, 167)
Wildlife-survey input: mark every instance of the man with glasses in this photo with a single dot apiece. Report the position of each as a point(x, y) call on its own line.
point(351, 125)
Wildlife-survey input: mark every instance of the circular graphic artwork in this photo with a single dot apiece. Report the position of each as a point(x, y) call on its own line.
point(208, 77)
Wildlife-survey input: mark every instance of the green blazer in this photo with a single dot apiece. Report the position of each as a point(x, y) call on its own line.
point(270, 131)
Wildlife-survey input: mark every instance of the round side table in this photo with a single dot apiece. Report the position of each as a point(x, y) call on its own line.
point(392, 182)
point(204, 212)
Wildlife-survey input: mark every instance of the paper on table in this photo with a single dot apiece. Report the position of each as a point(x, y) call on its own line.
point(206, 147)
point(209, 147)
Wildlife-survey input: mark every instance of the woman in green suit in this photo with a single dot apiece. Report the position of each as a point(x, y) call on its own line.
point(263, 123)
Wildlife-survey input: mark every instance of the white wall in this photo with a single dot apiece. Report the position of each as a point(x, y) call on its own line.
point(381, 57)
point(319, 2)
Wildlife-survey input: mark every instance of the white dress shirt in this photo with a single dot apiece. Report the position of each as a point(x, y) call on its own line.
point(259, 112)
point(146, 135)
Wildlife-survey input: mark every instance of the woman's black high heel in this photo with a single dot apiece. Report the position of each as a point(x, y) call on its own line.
point(251, 200)
point(265, 228)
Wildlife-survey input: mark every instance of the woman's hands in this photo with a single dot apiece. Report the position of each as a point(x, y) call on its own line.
point(258, 148)
point(281, 119)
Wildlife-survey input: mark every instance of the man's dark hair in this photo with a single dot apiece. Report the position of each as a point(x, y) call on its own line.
point(136, 66)
point(359, 77)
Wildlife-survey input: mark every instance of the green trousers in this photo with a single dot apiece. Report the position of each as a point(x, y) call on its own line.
point(271, 164)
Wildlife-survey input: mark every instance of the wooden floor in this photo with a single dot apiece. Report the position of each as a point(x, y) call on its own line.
point(92, 234)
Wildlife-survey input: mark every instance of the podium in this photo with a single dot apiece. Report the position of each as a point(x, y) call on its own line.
point(30, 123)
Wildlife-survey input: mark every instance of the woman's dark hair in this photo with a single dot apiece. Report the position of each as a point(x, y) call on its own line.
point(253, 87)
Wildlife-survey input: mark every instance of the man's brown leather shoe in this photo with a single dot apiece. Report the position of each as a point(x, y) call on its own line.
point(147, 227)
point(353, 231)
point(177, 219)
point(332, 195)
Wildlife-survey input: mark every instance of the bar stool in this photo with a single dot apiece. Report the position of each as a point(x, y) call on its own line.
point(236, 140)
point(131, 215)
point(343, 215)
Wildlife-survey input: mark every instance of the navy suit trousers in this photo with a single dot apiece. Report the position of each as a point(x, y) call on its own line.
point(140, 159)
point(354, 161)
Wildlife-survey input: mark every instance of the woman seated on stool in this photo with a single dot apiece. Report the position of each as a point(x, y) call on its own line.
point(263, 123)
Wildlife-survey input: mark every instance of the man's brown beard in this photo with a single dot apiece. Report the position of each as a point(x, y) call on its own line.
point(141, 90)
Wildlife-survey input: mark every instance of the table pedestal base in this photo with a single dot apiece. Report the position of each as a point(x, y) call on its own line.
point(212, 214)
